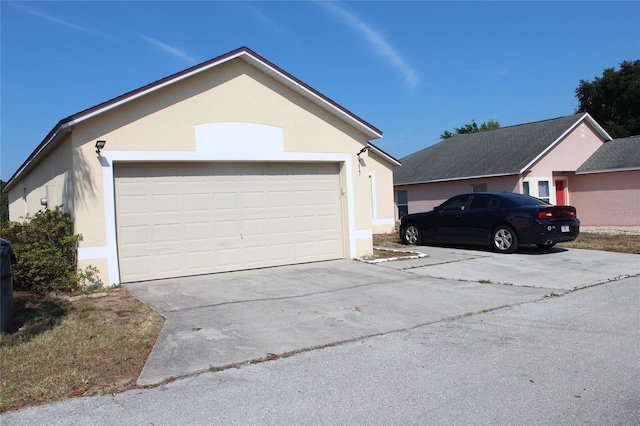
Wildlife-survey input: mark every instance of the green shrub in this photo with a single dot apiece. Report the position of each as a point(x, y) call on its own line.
point(46, 252)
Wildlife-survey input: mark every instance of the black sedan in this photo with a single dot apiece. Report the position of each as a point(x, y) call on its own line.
point(501, 219)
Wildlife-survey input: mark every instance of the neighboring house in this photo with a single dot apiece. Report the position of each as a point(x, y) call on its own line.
point(231, 164)
point(562, 160)
point(606, 188)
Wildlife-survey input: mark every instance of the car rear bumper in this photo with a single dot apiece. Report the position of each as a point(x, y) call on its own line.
point(551, 232)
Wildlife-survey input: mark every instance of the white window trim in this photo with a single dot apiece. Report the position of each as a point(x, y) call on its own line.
point(534, 189)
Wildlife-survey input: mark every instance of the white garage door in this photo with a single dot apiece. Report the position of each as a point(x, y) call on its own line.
point(197, 218)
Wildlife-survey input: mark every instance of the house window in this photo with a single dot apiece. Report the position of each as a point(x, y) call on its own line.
point(403, 205)
point(543, 190)
point(525, 188)
point(479, 187)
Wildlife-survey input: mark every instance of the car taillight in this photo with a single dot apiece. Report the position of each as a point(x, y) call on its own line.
point(554, 213)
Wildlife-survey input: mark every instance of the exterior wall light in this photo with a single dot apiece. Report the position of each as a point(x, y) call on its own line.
point(99, 146)
point(361, 162)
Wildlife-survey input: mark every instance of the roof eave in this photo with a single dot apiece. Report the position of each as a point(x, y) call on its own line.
point(244, 53)
point(622, 169)
point(61, 129)
point(384, 155)
point(257, 62)
point(458, 179)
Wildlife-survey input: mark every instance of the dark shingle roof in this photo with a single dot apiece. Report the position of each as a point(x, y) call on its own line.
point(618, 154)
point(500, 152)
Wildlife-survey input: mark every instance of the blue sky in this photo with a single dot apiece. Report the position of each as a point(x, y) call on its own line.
point(411, 69)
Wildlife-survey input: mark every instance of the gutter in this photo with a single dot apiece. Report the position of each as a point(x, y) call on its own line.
point(623, 169)
point(457, 178)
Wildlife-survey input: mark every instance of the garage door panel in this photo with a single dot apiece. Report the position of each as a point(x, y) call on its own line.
point(196, 202)
point(198, 231)
point(169, 233)
point(168, 262)
point(178, 220)
point(199, 261)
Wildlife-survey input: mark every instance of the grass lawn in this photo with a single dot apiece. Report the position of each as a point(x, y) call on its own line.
point(63, 349)
point(96, 345)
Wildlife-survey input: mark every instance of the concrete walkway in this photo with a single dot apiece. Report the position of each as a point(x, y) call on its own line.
point(221, 320)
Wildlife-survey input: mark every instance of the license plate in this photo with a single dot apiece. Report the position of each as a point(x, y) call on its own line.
point(564, 228)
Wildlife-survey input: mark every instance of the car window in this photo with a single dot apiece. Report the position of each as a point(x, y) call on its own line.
point(524, 200)
point(483, 202)
point(455, 204)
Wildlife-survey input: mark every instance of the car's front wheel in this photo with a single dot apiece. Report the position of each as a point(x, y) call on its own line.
point(504, 239)
point(411, 234)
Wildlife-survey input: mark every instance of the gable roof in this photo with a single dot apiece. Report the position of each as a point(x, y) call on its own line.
point(500, 152)
point(65, 125)
point(616, 155)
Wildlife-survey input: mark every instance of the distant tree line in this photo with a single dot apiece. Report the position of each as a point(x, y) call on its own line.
point(471, 128)
point(4, 203)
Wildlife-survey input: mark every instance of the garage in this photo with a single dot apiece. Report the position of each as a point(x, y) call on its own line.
point(227, 165)
point(190, 218)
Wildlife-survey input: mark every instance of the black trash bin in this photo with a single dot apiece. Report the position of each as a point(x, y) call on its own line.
point(7, 258)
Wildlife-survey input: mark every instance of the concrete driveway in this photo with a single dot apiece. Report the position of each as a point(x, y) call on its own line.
point(223, 320)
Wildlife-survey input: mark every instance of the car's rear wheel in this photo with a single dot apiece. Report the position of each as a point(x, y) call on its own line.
point(411, 234)
point(504, 239)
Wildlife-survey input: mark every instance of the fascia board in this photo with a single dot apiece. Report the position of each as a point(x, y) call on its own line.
point(457, 179)
point(60, 129)
point(384, 155)
point(311, 94)
point(624, 169)
point(126, 99)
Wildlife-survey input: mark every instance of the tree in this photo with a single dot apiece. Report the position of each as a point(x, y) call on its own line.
point(613, 100)
point(471, 128)
point(4, 203)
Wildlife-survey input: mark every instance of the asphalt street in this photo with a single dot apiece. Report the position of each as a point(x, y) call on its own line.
point(562, 360)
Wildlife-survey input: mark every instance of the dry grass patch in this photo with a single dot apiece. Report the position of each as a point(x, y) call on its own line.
point(606, 242)
point(387, 240)
point(65, 349)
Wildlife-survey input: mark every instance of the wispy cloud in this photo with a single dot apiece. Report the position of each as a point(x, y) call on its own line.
point(178, 53)
point(259, 16)
point(58, 21)
point(377, 41)
point(266, 21)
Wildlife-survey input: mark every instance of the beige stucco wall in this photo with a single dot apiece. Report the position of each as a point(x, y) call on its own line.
point(607, 199)
point(166, 121)
point(50, 180)
point(380, 180)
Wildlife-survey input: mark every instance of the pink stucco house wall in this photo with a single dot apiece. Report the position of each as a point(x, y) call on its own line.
point(606, 188)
